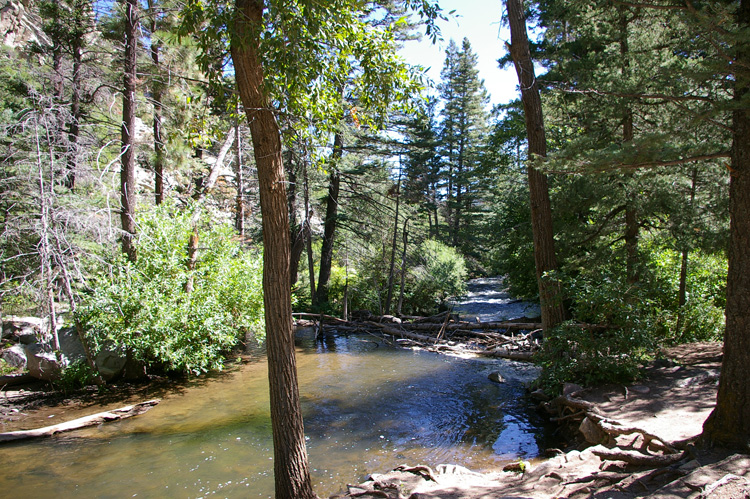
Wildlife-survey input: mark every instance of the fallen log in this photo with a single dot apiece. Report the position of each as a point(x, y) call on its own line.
point(86, 421)
point(504, 353)
point(401, 333)
point(316, 317)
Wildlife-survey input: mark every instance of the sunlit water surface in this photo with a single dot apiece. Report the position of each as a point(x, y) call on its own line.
point(367, 408)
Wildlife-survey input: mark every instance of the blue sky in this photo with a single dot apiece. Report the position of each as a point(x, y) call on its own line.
point(480, 22)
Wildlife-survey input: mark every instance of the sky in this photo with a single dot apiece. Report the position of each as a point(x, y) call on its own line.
point(480, 22)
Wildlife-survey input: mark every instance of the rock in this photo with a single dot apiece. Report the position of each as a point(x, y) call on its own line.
point(15, 356)
point(110, 364)
point(496, 377)
point(70, 344)
point(539, 395)
point(643, 390)
point(26, 330)
point(571, 388)
point(592, 433)
point(43, 364)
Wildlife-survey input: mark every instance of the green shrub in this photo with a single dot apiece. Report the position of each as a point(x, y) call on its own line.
point(143, 306)
point(75, 376)
point(441, 274)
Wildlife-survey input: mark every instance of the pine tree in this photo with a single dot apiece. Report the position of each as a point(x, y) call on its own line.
point(462, 131)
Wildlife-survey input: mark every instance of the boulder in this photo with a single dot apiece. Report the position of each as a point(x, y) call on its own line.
point(496, 377)
point(25, 330)
point(110, 363)
point(592, 432)
point(70, 345)
point(42, 363)
point(15, 356)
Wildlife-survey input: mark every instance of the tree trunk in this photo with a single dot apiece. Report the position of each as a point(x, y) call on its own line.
point(308, 237)
point(156, 96)
point(394, 244)
point(550, 292)
point(403, 269)
point(239, 215)
point(127, 132)
point(291, 473)
point(729, 423)
point(75, 116)
point(682, 293)
point(207, 187)
point(330, 223)
point(297, 230)
point(628, 134)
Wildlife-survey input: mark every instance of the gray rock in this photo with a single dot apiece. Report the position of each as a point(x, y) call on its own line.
point(496, 377)
point(110, 364)
point(15, 356)
point(26, 330)
point(592, 433)
point(42, 363)
point(70, 344)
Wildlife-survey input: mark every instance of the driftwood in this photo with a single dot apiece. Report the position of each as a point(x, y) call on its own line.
point(93, 420)
point(438, 333)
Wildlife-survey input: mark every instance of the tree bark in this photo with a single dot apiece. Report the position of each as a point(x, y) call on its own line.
point(550, 292)
point(291, 472)
point(75, 115)
point(729, 423)
point(127, 133)
point(239, 180)
point(156, 95)
point(297, 230)
point(394, 244)
point(330, 223)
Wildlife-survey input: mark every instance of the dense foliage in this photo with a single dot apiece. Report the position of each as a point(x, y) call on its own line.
point(393, 198)
point(143, 308)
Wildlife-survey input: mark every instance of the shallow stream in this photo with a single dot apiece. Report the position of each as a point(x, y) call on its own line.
point(367, 408)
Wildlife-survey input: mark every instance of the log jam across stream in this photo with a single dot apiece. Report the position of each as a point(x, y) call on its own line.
point(368, 407)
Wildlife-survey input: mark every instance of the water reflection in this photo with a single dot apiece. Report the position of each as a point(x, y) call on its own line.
point(367, 408)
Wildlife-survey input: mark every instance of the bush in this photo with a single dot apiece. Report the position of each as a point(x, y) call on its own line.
point(143, 306)
point(440, 274)
point(641, 316)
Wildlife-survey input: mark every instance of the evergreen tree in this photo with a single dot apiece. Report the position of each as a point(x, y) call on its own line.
point(462, 132)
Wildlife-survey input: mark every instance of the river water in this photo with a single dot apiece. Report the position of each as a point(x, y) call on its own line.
point(367, 407)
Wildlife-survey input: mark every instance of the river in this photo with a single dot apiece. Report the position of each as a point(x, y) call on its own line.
point(367, 408)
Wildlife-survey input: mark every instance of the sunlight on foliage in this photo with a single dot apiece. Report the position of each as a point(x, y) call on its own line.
point(143, 306)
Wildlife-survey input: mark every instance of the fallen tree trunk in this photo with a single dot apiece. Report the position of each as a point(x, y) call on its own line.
point(504, 353)
point(76, 424)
